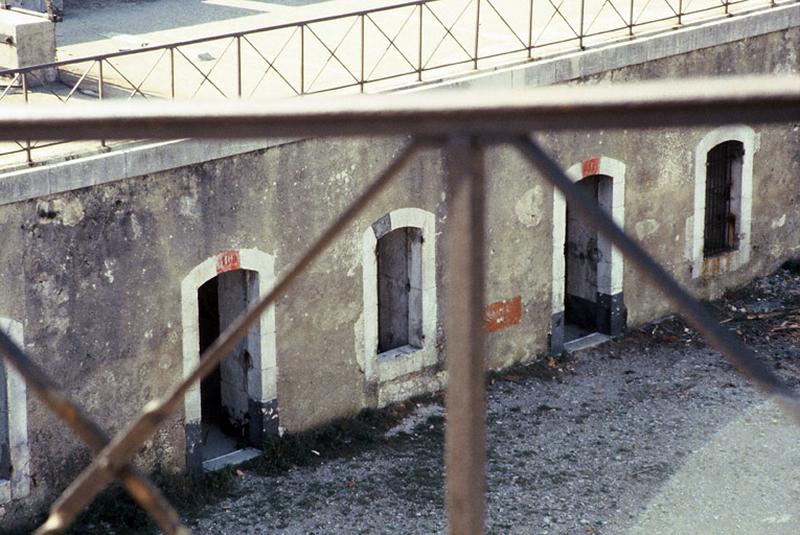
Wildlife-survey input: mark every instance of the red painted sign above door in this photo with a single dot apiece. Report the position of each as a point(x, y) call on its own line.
point(228, 261)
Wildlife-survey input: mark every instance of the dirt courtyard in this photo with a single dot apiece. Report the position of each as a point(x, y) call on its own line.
point(577, 445)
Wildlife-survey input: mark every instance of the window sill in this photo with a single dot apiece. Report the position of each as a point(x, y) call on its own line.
point(403, 360)
point(720, 263)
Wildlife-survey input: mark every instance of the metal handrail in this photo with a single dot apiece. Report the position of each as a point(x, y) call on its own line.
point(421, 14)
point(634, 105)
point(463, 128)
point(215, 37)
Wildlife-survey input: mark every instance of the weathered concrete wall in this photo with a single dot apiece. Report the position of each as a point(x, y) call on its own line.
point(95, 273)
point(27, 40)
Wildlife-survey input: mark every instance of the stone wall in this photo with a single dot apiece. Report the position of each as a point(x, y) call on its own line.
point(95, 274)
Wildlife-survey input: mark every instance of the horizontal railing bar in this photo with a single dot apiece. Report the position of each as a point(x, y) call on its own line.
point(216, 37)
point(637, 105)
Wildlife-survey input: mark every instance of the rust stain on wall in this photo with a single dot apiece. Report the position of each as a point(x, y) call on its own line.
point(228, 261)
point(714, 265)
point(502, 314)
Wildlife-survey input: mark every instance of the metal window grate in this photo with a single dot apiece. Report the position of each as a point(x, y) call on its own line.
point(720, 220)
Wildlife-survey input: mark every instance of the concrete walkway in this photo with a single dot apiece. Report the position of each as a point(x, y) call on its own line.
point(745, 481)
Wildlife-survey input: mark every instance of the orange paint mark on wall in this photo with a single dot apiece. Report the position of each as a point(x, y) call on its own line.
point(590, 167)
point(228, 261)
point(502, 314)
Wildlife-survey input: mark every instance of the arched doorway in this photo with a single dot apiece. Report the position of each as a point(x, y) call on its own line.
point(235, 408)
point(587, 271)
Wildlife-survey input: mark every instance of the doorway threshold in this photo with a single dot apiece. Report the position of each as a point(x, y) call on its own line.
point(229, 459)
point(585, 342)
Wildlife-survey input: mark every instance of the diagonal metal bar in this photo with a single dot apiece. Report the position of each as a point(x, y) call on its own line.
point(214, 66)
point(447, 32)
point(125, 445)
point(203, 74)
point(146, 76)
point(717, 336)
point(647, 4)
point(271, 64)
point(80, 81)
point(556, 11)
point(43, 83)
point(125, 78)
point(332, 54)
point(9, 86)
point(465, 442)
point(600, 12)
point(137, 485)
point(503, 19)
point(391, 42)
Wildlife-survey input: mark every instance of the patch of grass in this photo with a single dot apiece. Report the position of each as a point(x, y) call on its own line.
point(342, 438)
point(545, 367)
point(115, 513)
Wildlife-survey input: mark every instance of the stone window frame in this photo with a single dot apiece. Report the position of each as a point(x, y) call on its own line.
point(381, 368)
point(246, 259)
point(20, 483)
point(741, 203)
point(610, 275)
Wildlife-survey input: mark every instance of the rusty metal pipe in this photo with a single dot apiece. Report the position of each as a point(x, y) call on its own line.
point(763, 99)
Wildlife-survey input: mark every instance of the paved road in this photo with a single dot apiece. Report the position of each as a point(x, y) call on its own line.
point(745, 481)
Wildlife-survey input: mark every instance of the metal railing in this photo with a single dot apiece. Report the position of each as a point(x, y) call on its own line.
point(379, 48)
point(462, 126)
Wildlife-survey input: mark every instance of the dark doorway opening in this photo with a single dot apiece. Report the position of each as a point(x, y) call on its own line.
point(581, 257)
point(224, 394)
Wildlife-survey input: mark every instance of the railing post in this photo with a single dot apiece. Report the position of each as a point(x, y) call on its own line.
point(630, 21)
point(172, 72)
point(363, 46)
point(580, 31)
point(465, 448)
point(530, 30)
point(100, 84)
point(419, 55)
point(302, 59)
point(680, 12)
point(239, 66)
point(477, 33)
point(727, 8)
point(27, 141)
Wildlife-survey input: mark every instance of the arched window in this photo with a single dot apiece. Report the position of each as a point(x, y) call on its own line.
point(723, 185)
point(400, 312)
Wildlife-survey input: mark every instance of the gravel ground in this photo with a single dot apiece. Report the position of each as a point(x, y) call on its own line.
point(574, 446)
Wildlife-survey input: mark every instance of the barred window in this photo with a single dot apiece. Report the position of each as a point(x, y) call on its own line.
point(723, 177)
